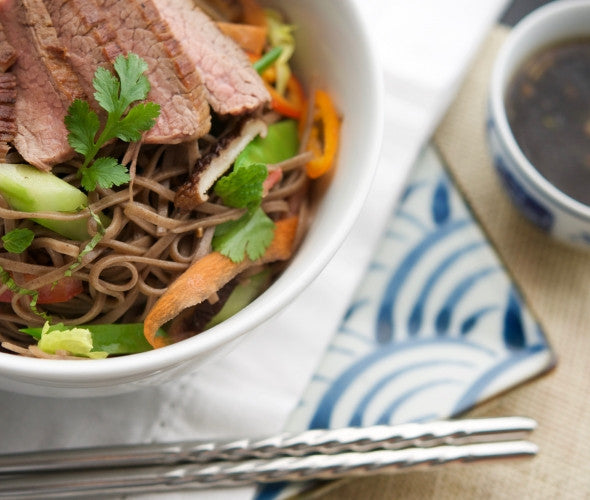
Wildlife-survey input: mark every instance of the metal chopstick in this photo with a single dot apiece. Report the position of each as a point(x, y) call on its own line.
point(154, 479)
point(330, 441)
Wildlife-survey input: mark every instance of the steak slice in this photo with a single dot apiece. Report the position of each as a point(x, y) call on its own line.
point(7, 112)
point(7, 52)
point(97, 31)
point(233, 86)
point(45, 81)
point(7, 95)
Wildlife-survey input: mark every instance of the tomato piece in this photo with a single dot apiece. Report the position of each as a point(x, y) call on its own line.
point(63, 290)
point(274, 176)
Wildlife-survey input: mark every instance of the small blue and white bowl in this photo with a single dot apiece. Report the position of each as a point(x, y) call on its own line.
point(538, 199)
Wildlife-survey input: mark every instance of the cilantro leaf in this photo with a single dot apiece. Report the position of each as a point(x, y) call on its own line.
point(107, 89)
point(139, 119)
point(250, 235)
point(115, 94)
point(134, 84)
point(105, 172)
point(242, 188)
point(83, 125)
point(18, 240)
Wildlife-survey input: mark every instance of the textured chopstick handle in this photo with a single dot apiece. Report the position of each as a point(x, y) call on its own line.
point(309, 442)
point(329, 441)
point(396, 437)
point(194, 476)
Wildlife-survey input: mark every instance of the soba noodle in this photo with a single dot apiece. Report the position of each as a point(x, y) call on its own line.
point(146, 245)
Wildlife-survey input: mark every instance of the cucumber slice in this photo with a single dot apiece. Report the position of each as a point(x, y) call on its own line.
point(241, 296)
point(27, 189)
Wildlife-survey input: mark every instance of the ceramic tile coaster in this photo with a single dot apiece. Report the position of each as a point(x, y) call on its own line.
point(435, 327)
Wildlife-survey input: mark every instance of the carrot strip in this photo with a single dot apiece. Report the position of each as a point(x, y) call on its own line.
point(249, 37)
point(206, 276)
point(324, 136)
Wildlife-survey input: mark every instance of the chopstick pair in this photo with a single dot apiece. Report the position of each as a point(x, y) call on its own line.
point(315, 454)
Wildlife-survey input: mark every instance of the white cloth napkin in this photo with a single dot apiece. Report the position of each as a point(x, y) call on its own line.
point(425, 48)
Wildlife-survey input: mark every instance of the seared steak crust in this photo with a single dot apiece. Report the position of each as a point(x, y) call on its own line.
point(97, 31)
point(7, 111)
point(7, 95)
point(233, 87)
point(7, 52)
point(85, 32)
point(45, 80)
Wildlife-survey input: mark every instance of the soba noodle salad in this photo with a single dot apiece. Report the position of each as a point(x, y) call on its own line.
point(132, 245)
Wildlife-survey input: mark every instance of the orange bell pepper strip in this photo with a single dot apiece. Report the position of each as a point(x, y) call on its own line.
point(207, 275)
point(324, 136)
point(291, 105)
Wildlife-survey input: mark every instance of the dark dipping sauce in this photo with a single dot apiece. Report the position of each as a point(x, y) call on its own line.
point(548, 108)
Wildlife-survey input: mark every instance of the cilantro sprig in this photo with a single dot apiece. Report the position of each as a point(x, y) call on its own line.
point(116, 94)
point(243, 188)
point(252, 233)
point(249, 235)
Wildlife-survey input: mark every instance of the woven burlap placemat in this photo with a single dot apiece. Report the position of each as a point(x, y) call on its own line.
point(555, 280)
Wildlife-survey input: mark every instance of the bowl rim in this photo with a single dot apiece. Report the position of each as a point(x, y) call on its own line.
point(75, 374)
point(502, 71)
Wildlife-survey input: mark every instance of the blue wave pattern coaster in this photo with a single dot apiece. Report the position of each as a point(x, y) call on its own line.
point(435, 327)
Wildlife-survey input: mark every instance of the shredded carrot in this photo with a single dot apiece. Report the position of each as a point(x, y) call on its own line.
point(207, 275)
point(324, 135)
point(251, 31)
point(251, 38)
point(291, 105)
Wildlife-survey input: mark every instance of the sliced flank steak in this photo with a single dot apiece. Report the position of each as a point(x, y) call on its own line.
point(97, 31)
point(7, 52)
point(45, 80)
point(7, 95)
point(60, 43)
point(233, 87)
point(7, 112)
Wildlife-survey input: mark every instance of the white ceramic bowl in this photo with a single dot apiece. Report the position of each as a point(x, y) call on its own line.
point(540, 201)
point(334, 46)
